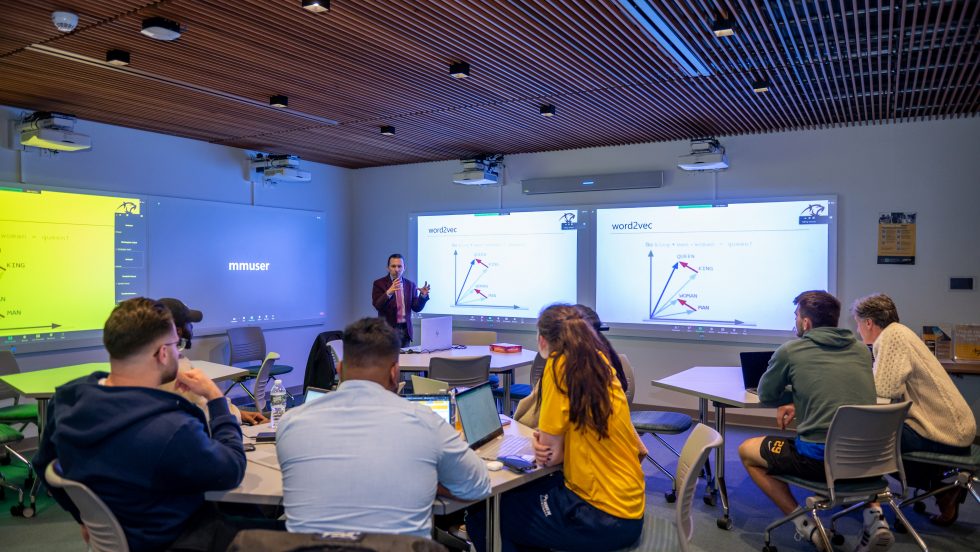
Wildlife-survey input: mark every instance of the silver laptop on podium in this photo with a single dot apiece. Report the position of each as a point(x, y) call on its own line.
point(437, 335)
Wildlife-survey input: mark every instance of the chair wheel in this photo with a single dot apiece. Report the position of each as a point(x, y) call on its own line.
point(919, 507)
point(5, 460)
point(837, 539)
point(709, 499)
point(17, 510)
point(671, 497)
point(724, 523)
point(28, 512)
point(769, 548)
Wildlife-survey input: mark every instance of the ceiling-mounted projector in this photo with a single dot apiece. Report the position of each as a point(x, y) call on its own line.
point(479, 171)
point(52, 131)
point(278, 168)
point(706, 155)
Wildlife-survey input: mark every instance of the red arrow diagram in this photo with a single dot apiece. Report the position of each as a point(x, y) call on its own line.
point(482, 263)
point(683, 302)
point(478, 292)
point(685, 265)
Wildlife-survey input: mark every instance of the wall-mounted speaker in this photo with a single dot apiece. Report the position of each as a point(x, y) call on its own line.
point(621, 181)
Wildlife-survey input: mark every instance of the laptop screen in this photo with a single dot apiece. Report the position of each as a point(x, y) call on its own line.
point(478, 415)
point(440, 404)
point(754, 364)
point(314, 393)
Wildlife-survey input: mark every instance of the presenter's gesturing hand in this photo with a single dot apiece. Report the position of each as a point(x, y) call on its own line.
point(424, 290)
point(396, 286)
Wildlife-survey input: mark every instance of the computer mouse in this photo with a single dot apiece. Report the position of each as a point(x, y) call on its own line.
point(494, 465)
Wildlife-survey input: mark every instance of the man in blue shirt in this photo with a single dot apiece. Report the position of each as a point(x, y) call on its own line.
point(827, 368)
point(364, 459)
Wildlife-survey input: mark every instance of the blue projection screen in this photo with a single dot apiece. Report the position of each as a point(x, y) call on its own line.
point(724, 269)
point(239, 264)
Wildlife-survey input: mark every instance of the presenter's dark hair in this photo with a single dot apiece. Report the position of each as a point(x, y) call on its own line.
point(587, 376)
point(822, 308)
point(135, 324)
point(370, 343)
point(879, 308)
point(395, 256)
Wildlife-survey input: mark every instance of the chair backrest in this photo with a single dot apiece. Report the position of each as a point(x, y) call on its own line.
point(262, 380)
point(8, 366)
point(865, 441)
point(245, 344)
point(693, 456)
point(321, 363)
point(464, 337)
point(104, 531)
point(630, 380)
point(336, 349)
point(460, 371)
point(537, 369)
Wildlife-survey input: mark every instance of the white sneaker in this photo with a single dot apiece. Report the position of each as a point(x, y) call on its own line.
point(808, 533)
point(876, 537)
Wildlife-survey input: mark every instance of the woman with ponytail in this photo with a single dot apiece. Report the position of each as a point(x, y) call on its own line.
point(596, 503)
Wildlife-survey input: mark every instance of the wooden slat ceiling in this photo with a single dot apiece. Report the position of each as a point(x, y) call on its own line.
point(369, 63)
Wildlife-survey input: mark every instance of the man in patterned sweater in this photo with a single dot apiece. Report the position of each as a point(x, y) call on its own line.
point(940, 419)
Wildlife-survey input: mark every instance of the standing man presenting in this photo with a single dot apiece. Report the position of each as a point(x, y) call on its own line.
point(395, 298)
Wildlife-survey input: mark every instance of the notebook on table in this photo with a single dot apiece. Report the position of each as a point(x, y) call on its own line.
point(437, 335)
point(754, 364)
point(482, 429)
point(440, 404)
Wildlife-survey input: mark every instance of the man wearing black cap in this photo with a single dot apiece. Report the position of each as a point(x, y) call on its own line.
point(184, 320)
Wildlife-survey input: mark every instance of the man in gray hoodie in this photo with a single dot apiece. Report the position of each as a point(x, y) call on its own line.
point(827, 368)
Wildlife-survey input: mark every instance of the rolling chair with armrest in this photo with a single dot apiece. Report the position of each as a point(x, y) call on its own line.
point(862, 448)
point(10, 435)
point(261, 382)
point(15, 413)
point(460, 371)
point(657, 532)
point(965, 471)
point(481, 337)
point(656, 422)
point(104, 532)
point(247, 344)
point(321, 364)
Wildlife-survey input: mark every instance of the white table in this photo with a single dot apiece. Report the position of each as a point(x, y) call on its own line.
point(262, 483)
point(503, 364)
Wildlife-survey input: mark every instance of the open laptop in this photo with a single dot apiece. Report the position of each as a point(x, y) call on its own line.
point(437, 335)
point(425, 386)
point(439, 403)
point(482, 429)
point(754, 364)
point(314, 393)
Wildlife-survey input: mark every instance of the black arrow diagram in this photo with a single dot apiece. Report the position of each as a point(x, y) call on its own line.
point(46, 326)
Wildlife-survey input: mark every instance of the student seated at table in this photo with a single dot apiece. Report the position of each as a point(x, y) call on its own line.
point(827, 368)
point(148, 454)
point(528, 408)
point(597, 502)
point(364, 459)
point(940, 420)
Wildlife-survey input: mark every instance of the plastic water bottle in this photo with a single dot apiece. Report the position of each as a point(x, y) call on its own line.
point(277, 401)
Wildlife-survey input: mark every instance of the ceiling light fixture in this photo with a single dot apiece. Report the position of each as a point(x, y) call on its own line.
point(723, 25)
point(760, 84)
point(161, 28)
point(387, 130)
point(64, 21)
point(279, 101)
point(459, 70)
point(316, 6)
point(547, 110)
point(118, 58)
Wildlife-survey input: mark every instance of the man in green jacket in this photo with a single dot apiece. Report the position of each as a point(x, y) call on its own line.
point(827, 368)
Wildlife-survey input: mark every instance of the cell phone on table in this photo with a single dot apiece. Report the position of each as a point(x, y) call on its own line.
point(249, 447)
point(266, 437)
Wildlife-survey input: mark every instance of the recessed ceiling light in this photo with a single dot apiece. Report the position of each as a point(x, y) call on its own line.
point(316, 6)
point(459, 70)
point(760, 85)
point(547, 110)
point(117, 57)
point(388, 130)
point(161, 28)
point(723, 25)
point(279, 101)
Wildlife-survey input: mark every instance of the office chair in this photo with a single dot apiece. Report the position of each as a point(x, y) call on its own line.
point(656, 422)
point(247, 344)
point(519, 391)
point(104, 531)
point(863, 446)
point(321, 364)
point(965, 471)
point(15, 413)
point(9, 435)
point(465, 337)
point(657, 532)
point(460, 371)
point(261, 383)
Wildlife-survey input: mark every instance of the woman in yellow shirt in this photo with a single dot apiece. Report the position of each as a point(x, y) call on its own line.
point(596, 503)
